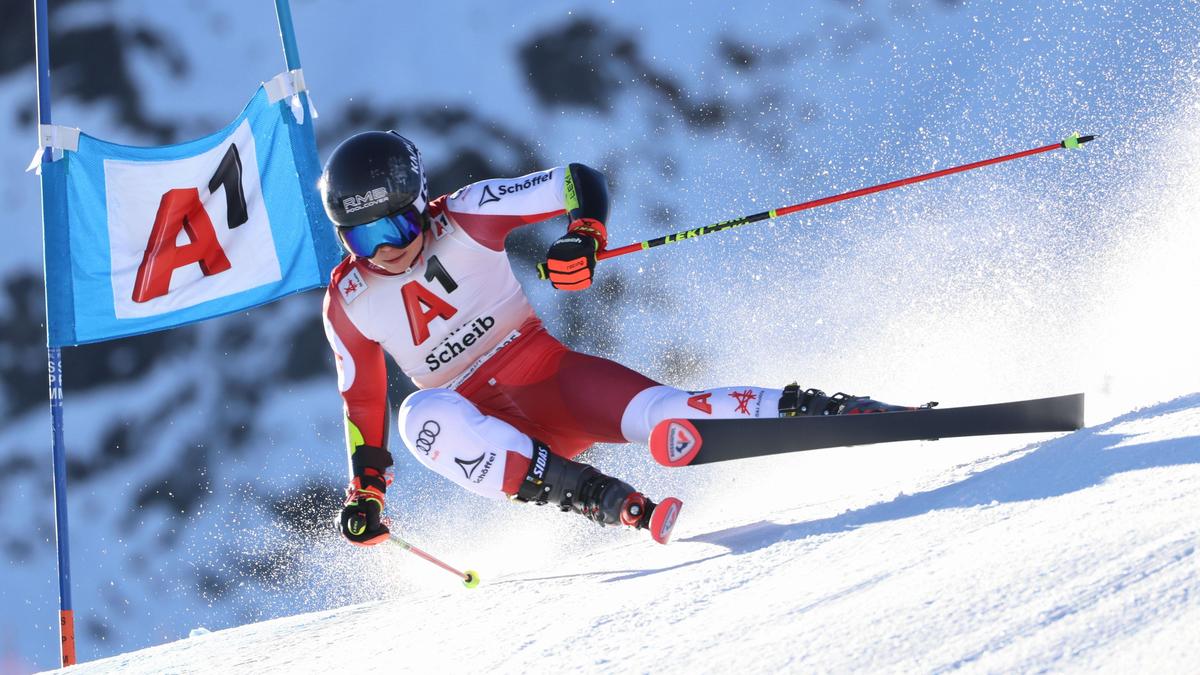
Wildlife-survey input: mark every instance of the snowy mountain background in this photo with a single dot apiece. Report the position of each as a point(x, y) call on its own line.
point(205, 463)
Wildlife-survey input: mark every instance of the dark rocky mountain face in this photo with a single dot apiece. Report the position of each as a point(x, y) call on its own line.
point(92, 63)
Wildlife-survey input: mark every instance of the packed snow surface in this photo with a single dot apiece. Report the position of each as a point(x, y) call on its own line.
point(1075, 552)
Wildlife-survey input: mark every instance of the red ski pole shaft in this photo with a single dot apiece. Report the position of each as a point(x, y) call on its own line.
point(1071, 142)
point(470, 578)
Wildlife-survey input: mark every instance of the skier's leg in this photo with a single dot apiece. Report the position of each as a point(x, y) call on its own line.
point(566, 399)
point(655, 404)
point(490, 457)
point(449, 435)
point(582, 399)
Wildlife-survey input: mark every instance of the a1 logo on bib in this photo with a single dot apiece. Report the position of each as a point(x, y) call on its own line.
point(441, 227)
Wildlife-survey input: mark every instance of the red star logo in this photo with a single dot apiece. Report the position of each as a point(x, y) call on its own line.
point(743, 399)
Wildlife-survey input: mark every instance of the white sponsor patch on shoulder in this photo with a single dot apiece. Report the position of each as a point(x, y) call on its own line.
point(352, 285)
point(442, 226)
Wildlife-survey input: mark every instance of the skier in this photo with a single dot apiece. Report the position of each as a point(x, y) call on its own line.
point(503, 407)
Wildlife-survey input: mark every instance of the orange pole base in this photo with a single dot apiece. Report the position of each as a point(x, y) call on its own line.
point(66, 620)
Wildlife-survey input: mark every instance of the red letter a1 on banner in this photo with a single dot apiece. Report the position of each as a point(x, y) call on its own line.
point(144, 239)
point(180, 209)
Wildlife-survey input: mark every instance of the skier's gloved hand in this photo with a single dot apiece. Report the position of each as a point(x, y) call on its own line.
point(571, 260)
point(361, 521)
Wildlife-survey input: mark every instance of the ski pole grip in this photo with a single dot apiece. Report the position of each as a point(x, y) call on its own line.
point(542, 271)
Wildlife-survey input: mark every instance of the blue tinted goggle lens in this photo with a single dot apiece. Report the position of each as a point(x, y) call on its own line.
point(399, 230)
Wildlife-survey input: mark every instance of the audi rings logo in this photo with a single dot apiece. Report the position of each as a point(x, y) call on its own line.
point(427, 435)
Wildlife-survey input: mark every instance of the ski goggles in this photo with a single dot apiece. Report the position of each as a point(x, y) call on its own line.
point(399, 230)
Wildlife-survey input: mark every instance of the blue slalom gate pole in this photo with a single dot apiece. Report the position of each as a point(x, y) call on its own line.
point(291, 53)
point(291, 56)
point(54, 362)
point(304, 133)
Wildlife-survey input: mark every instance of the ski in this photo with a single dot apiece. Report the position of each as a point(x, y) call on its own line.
point(682, 442)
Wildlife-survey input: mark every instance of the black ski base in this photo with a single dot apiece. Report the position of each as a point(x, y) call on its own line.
point(679, 442)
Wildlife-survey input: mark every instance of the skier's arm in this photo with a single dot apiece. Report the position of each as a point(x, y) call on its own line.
point(490, 209)
point(571, 260)
point(362, 379)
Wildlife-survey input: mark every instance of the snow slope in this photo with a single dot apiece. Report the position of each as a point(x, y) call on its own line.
point(1076, 553)
point(1070, 272)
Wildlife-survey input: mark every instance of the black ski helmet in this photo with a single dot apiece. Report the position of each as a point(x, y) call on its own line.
point(372, 175)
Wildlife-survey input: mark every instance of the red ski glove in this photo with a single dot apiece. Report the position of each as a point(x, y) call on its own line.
point(571, 260)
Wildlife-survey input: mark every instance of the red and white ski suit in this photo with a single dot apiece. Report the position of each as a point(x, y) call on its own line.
point(491, 377)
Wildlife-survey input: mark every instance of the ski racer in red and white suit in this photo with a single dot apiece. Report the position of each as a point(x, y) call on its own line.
point(499, 396)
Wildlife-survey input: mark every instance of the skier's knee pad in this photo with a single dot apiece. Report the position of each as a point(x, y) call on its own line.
point(449, 435)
